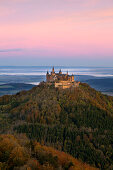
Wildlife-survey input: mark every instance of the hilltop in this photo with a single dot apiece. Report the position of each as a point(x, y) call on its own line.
point(78, 121)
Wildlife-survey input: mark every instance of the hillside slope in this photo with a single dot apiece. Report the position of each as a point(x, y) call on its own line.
point(78, 121)
point(20, 153)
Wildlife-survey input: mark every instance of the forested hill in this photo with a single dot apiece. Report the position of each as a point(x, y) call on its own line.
point(78, 121)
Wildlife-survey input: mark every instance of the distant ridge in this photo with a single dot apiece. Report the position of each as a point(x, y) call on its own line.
point(13, 88)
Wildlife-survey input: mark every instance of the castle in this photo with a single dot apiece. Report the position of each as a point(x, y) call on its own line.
point(61, 80)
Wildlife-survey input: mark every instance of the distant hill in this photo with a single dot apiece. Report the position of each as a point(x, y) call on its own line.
point(13, 88)
point(78, 121)
point(101, 84)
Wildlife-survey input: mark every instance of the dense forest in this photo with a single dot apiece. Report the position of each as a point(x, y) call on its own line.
point(78, 121)
point(20, 153)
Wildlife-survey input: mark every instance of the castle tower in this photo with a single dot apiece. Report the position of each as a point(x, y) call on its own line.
point(72, 78)
point(53, 72)
point(47, 76)
point(60, 72)
point(67, 73)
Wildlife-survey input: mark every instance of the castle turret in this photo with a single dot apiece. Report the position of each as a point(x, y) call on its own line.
point(67, 73)
point(60, 72)
point(53, 70)
point(72, 78)
point(47, 76)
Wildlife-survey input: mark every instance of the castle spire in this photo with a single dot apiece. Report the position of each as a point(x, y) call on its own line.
point(67, 72)
point(53, 70)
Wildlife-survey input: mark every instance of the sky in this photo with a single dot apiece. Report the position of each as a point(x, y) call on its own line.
point(56, 32)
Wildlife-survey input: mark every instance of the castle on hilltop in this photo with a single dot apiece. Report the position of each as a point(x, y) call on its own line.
point(61, 80)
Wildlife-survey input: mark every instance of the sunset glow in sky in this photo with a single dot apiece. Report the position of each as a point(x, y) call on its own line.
point(48, 30)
